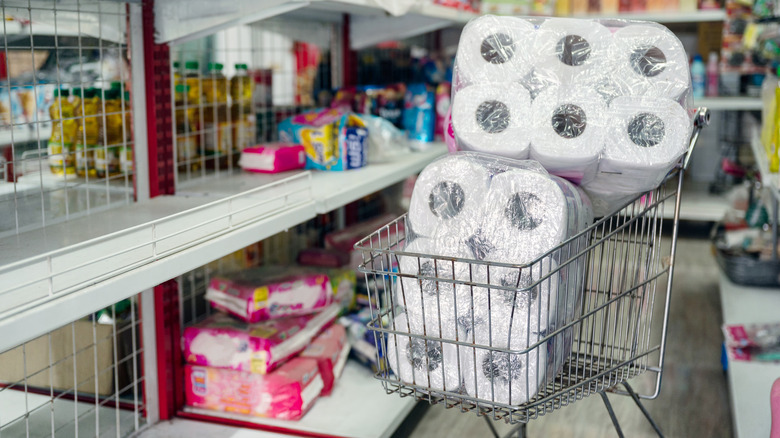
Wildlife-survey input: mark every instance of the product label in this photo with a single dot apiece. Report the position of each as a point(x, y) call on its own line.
point(217, 137)
point(259, 362)
point(55, 155)
point(199, 382)
point(186, 147)
point(261, 297)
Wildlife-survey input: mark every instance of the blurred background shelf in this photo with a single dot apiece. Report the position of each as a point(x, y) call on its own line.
point(699, 16)
point(730, 103)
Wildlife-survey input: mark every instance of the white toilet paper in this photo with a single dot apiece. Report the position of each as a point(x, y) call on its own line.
point(448, 188)
point(493, 49)
point(571, 51)
point(651, 61)
point(569, 127)
point(493, 118)
point(422, 362)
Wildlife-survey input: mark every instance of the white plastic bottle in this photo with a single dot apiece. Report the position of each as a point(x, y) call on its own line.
point(698, 77)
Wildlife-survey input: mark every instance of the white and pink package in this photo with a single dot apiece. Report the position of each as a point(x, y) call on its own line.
point(330, 349)
point(273, 158)
point(224, 342)
point(286, 394)
point(269, 292)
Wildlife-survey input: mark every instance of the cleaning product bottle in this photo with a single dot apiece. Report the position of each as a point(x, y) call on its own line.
point(88, 134)
point(712, 75)
point(60, 146)
point(698, 72)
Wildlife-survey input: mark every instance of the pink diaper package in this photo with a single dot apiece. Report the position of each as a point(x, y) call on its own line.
point(330, 349)
point(224, 342)
point(270, 292)
point(286, 394)
point(273, 158)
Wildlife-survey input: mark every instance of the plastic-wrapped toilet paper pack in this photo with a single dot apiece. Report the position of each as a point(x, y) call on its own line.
point(647, 138)
point(422, 362)
point(571, 51)
point(449, 188)
point(569, 127)
point(494, 49)
point(493, 119)
point(651, 61)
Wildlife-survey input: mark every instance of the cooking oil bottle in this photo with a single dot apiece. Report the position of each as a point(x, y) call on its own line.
point(241, 87)
point(60, 146)
point(215, 84)
point(88, 133)
point(107, 151)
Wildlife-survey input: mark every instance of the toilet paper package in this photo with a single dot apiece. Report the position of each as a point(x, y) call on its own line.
point(224, 342)
point(269, 292)
point(287, 393)
point(421, 362)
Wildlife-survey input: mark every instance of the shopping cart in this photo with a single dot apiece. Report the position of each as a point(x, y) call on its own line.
point(607, 279)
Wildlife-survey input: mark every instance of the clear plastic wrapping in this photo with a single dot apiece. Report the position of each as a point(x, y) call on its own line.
point(605, 104)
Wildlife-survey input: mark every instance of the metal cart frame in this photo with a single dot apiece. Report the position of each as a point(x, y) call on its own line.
point(606, 278)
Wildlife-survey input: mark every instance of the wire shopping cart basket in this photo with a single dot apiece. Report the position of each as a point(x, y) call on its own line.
point(579, 320)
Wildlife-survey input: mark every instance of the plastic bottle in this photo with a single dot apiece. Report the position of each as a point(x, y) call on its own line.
point(193, 81)
point(774, 158)
point(60, 146)
point(698, 73)
point(712, 75)
point(215, 84)
point(126, 150)
point(107, 151)
point(88, 133)
point(241, 86)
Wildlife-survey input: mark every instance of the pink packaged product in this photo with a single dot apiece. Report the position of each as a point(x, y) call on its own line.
point(330, 349)
point(269, 292)
point(326, 258)
point(287, 393)
point(224, 342)
point(345, 240)
point(273, 158)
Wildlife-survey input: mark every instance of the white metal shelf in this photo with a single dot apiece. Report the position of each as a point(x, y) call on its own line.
point(750, 382)
point(730, 103)
point(665, 17)
point(80, 266)
point(358, 407)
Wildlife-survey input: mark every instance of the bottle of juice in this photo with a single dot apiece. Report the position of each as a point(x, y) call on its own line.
point(215, 84)
point(88, 134)
point(241, 86)
point(107, 151)
point(60, 146)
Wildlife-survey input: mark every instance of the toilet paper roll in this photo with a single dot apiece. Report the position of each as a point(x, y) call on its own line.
point(651, 61)
point(525, 214)
point(493, 49)
point(571, 51)
point(647, 136)
point(430, 302)
point(493, 119)
point(449, 188)
point(569, 128)
point(421, 362)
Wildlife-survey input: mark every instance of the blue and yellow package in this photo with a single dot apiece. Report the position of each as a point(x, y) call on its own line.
point(332, 139)
point(419, 114)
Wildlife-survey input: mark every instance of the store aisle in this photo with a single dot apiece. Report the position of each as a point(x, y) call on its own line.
point(694, 396)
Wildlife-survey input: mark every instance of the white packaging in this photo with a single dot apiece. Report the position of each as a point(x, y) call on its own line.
point(493, 118)
point(494, 49)
point(569, 128)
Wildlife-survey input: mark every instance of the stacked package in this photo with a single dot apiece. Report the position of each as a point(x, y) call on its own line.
point(602, 104)
point(483, 268)
point(276, 367)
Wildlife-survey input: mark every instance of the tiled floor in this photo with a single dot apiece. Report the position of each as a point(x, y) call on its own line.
point(694, 397)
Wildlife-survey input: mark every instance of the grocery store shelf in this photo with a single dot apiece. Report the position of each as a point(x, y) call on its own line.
point(358, 407)
point(698, 204)
point(749, 382)
point(24, 134)
point(730, 103)
point(770, 180)
point(666, 17)
point(80, 266)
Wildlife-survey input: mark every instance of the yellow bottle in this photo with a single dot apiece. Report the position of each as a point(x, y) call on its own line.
point(774, 158)
point(88, 134)
point(60, 146)
point(126, 150)
point(215, 86)
point(241, 87)
point(107, 151)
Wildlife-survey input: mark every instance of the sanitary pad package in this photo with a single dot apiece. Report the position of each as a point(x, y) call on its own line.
point(286, 394)
point(273, 158)
point(269, 292)
point(224, 342)
point(330, 349)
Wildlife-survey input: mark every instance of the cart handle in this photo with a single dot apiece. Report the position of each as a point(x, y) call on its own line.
point(700, 119)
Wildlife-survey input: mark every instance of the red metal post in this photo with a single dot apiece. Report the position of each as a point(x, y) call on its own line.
point(166, 306)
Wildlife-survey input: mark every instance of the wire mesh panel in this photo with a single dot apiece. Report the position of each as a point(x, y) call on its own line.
point(83, 379)
point(231, 89)
point(65, 111)
point(575, 321)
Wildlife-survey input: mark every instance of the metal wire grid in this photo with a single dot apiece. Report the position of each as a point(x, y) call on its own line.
point(83, 379)
point(612, 331)
point(63, 45)
point(291, 69)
